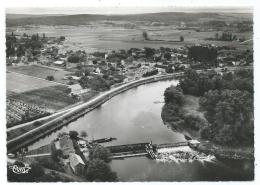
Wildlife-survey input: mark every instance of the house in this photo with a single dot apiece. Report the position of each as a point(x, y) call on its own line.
point(58, 63)
point(98, 70)
point(57, 145)
point(66, 146)
point(75, 89)
point(182, 24)
point(193, 143)
point(75, 77)
point(76, 164)
point(235, 63)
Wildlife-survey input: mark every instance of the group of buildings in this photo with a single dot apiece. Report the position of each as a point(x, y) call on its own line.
point(74, 153)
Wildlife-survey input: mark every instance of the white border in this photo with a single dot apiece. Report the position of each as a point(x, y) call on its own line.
point(120, 4)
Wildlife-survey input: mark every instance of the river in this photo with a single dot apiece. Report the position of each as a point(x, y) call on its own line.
point(135, 116)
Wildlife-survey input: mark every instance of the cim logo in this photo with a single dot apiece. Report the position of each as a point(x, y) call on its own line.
point(20, 170)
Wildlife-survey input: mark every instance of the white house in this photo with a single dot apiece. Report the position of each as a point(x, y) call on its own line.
point(76, 164)
point(58, 62)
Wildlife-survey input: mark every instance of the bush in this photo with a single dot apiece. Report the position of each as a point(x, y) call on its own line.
point(173, 95)
point(98, 170)
point(100, 152)
point(151, 73)
point(73, 134)
point(50, 78)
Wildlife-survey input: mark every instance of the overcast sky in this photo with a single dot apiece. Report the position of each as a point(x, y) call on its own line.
point(121, 10)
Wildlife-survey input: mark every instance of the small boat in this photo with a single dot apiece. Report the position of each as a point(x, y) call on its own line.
point(103, 140)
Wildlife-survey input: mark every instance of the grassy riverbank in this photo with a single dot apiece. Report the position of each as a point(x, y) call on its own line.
point(191, 107)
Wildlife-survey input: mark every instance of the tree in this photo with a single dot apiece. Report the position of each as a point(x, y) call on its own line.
point(100, 152)
point(173, 95)
point(216, 36)
point(83, 134)
point(167, 56)
point(73, 134)
point(206, 55)
point(181, 39)
point(229, 112)
point(50, 78)
point(149, 52)
point(62, 38)
point(73, 58)
point(150, 73)
point(96, 83)
point(194, 122)
point(145, 35)
point(98, 170)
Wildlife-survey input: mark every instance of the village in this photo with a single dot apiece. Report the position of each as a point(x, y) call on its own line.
point(82, 75)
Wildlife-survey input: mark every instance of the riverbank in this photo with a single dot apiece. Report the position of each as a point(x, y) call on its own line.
point(191, 106)
point(74, 113)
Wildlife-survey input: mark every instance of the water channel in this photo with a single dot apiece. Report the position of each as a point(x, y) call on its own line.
point(135, 116)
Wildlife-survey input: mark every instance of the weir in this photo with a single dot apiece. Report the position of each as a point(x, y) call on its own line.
point(144, 149)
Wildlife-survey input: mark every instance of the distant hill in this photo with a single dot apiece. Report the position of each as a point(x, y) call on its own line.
point(19, 16)
point(82, 19)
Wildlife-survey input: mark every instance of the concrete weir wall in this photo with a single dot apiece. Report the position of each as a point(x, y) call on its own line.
point(74, 113)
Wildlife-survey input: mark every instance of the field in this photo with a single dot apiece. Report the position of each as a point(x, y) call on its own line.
point(115, 35)
point(40, 72)
point(52, 98)
point(19, 83)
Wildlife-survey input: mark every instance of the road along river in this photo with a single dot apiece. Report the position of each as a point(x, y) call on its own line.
point(135, 116)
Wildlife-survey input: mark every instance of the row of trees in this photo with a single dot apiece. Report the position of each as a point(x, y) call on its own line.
point(197, 84)
point(225, 36)
point(18, 47)
point(97, 83)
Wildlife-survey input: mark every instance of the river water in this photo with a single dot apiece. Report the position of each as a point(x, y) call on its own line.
point(135, 116)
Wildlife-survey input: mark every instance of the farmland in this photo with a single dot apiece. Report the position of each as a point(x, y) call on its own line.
point(19, 83)
point(40, 72)
point(52, 98)
point(107, 36)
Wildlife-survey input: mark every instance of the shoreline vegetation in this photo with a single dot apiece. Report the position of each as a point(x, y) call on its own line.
point(216, 116)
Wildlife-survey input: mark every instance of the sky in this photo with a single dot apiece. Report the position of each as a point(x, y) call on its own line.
point(125, 6)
